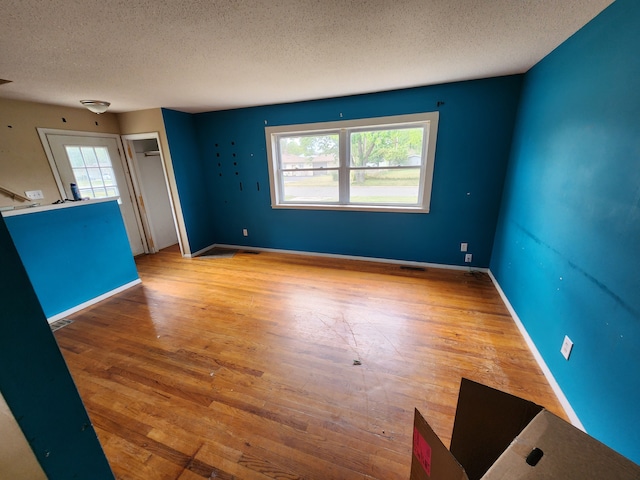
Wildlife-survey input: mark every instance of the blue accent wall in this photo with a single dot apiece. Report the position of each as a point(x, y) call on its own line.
point(195, 193)
point(474, 135)
point(567, 249)
point(36, 383)
point(74, 254)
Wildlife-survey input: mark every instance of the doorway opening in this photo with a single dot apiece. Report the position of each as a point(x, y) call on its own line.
point(152, 191)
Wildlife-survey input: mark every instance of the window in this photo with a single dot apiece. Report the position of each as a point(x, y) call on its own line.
point(93, 171)
point(383, 164)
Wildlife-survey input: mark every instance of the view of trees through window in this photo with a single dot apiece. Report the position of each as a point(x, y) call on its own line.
point(386, 147)
point(384, 166)
point(310, 146)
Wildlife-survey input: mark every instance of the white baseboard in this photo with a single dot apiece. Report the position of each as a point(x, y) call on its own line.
point(350, 257)
point(88, 303)
point(536, 354)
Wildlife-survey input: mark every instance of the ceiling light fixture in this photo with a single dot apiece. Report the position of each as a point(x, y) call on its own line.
point(96, 106)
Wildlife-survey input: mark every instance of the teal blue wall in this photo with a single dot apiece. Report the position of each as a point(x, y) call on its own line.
point(567, 250)
point(193, 190)
point(76, 253)
point(474, 134)
point(565, 246)
point(35, 382)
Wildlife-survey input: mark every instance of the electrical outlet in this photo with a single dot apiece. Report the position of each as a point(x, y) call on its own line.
point(34, 194)
point(463, 247)
point(245, 232)
point(567, 345)
point(468, 257)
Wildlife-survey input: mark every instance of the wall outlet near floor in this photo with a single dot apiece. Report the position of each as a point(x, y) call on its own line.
point(245, 232)
point(468, 257)
point(464, 246)
point(567, 345)
point(34, 194)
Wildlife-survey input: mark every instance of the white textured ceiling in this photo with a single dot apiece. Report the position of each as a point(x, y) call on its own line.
point(199, 55)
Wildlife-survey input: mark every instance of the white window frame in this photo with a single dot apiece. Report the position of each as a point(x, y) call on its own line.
point(429, 121)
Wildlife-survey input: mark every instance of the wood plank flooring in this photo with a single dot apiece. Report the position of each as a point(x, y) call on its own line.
point(243, 367)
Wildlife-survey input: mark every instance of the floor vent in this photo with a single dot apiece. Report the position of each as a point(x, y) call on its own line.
point(58, 324)
point(413, 269)
point(218, 252)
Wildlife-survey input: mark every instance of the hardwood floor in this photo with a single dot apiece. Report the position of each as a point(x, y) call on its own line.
point(244, 367)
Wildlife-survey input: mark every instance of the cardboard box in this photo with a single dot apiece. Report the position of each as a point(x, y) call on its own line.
point(498, 436)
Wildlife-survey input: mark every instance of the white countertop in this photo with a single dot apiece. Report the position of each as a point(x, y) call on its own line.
point(54, 206)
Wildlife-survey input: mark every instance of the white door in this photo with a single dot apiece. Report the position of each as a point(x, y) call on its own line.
point(95, 165)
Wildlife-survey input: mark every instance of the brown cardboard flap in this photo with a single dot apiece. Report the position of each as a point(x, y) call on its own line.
point(487, 420)
point(563, 452)
point(430, 459)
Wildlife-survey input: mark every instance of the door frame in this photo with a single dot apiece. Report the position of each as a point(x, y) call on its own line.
point(132, 162)
point(43, 132)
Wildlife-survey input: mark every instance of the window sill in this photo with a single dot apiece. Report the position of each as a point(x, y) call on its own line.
point(350, 208)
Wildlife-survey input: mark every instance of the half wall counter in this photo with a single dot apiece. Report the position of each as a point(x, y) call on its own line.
point(75, 253)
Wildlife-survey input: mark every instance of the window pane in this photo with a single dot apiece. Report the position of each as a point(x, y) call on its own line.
point(89, 156)
point(316, 186)
point(75, 157)
point(308, 151)
point(382, 148)
point(108, 176)
point(385, 186)
point(95, 176)
point(103, 156)
point(86, 193)
point(82, 178)
point(99, 193)
point(112, 192)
